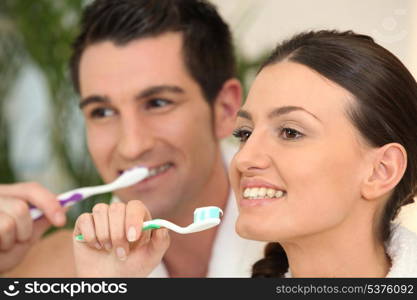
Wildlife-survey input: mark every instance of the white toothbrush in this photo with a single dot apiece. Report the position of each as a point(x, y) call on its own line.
point(128, 178)
point(204, 218)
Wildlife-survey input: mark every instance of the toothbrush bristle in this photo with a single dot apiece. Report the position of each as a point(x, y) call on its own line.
point(210, 212)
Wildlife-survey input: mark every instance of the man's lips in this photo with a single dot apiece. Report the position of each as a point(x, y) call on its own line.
point(154, 172)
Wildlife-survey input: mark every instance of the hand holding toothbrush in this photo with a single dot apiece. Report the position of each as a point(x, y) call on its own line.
point(116, 240)
point(18, 232)
point(114, 243)
point(22, 203)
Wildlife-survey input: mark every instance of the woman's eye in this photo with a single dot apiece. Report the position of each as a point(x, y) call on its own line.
point(102, 112)
point(290, 134)
point(242, 134)
point(157, 102)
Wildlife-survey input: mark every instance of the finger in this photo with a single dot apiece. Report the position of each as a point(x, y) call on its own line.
point(136, 212)
point(40, 197)
point(160, 241)
point(144, 236)
point(85, 226)
point(19, 211)
point(101, 223)
point(7, 231)
point(117, 213)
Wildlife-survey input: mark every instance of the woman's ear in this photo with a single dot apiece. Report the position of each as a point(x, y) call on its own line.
point(227, 104)
point(389, 165)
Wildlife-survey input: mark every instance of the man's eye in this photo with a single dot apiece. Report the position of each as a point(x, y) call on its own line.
point(102, 112)
point(290, 134)
point(157, 102)
point(242, 134)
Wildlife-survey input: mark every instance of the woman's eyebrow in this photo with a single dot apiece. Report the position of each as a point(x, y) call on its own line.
point(244, 114)
point(279, 111)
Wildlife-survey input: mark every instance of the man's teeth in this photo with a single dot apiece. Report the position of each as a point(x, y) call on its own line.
point(262, 192)
point(158, 170)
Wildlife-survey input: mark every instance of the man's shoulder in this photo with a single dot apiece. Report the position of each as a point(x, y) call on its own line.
point(52, 256)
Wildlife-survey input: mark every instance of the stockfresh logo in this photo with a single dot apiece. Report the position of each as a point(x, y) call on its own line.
point(11, 290)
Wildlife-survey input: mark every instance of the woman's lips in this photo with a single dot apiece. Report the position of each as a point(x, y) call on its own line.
point(247, 182)
point(258, 192)
point(247, 202)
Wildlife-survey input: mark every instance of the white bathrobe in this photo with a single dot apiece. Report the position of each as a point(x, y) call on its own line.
point(402, 249)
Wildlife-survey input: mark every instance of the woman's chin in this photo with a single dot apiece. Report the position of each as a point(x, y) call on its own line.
point(251, 230)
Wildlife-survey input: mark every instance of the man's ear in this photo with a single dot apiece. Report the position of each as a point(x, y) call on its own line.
point(389, 165)
point(227, 104)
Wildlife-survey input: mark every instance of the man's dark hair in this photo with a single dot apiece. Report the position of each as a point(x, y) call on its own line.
point(207, 42)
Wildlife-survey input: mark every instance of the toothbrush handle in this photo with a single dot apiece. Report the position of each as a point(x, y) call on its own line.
point(36, 213)
point(146, 226)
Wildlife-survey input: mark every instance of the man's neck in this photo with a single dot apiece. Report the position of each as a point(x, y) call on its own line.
point(189, 255)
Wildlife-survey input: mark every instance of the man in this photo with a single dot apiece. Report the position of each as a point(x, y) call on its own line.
point(157, 87)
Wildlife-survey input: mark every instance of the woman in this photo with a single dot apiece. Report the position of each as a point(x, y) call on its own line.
point(328, 156)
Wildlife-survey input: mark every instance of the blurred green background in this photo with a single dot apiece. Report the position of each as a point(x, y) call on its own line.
point(40, 33)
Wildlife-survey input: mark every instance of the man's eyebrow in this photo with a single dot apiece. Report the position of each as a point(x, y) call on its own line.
point(93, 99)
point(148, 92)
point(153, 90)
point(276, 112)
point(287, 109)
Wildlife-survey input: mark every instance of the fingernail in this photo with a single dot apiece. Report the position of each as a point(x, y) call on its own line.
point(131, 234)
point(98, 246)
point(107, 246)
point(121, 253)
point(59, 218)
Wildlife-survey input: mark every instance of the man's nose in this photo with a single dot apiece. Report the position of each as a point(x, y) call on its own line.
point(136, 138)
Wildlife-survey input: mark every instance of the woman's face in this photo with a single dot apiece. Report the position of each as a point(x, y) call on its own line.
point(301, 162)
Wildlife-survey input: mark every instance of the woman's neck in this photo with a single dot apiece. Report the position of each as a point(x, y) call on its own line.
point(341, 252)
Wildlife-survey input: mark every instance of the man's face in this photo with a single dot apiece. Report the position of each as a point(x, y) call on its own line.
point(142, 108)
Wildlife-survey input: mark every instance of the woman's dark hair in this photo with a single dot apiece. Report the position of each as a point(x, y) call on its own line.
point(207, 42)
point(385, 111)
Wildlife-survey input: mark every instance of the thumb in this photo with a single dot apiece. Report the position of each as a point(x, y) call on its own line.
point(160, 241)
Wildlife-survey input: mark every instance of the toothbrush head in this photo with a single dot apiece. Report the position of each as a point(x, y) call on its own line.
point(131, 176)
point(204, 218)
point(202, 214)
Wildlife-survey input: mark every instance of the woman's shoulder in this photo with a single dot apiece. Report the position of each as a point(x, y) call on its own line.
point(402, 249)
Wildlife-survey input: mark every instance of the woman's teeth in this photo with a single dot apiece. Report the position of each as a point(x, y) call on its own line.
point(158, 170)
point(262, 192)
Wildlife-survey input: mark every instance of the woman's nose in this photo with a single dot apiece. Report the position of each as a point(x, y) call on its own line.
point(252, 155)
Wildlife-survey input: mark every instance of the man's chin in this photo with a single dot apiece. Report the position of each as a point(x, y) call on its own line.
point(153, 203)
